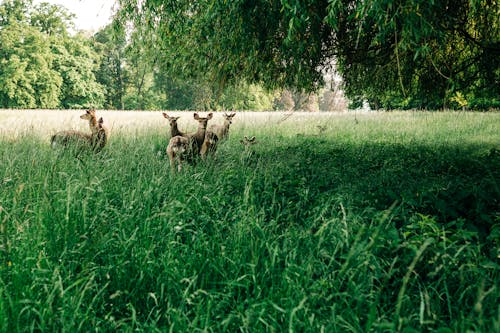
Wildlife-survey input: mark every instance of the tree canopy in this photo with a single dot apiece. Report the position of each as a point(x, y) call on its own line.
point(41, 65)
point(405, 53)
point(260, 55)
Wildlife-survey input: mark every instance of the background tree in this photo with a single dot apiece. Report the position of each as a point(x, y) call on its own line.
point(41, 65)
point(76, 61)
point(27, 79)
point(110, 44)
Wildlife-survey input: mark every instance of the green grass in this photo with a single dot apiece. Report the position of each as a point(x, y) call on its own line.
point(388, 223)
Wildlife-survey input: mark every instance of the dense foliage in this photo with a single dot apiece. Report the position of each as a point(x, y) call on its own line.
point(380, 223)
point(45, 64)
point(41, 65)
point(425, 54)
point(253, 55)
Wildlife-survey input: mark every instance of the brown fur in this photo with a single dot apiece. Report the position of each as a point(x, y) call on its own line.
point(177, 150)
point(248, 142)
point(209, 145)
point(248, 153)
point(222, 131)
point(197, 138)
point(96, 140)
point(174, 130)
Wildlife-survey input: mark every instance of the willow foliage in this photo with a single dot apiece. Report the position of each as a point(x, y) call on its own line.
point(402, 53)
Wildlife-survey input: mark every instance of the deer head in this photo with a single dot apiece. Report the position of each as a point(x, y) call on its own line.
point(248, 142)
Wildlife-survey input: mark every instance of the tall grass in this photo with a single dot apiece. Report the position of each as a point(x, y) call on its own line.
point(378, 223)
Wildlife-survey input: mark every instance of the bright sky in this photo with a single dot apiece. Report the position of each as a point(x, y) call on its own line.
point(90, 14)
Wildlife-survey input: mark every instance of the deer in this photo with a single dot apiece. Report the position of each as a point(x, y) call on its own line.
point(174, 130)
point(248, 142)
point(222, 131)
point(248, 152)
point(197, 138)
point(96, 140)
point(214, 134)
point(177, 149)
point(209, 144)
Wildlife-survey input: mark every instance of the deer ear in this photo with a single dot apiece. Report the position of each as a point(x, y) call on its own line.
point(232, 114)
point(165, 115)
point(210, 115)
point(196, 116)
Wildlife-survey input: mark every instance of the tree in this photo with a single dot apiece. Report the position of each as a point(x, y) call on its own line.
point(52, 19)
point(403, 53)
point(76, 62)
point(41, 65)
point(110, 43)
point(27, 79)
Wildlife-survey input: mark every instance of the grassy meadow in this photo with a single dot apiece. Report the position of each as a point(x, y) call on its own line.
point(347, 222)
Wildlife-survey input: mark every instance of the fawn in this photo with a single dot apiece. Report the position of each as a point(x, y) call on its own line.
point(96, 140)
point(209, 144)
point(222, 131)
point(248, 152)
point(177, 149)
point(248, 142)
point(174, 130)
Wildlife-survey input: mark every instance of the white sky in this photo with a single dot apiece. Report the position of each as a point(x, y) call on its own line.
point(90, 14)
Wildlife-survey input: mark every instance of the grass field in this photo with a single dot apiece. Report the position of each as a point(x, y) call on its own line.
point(379, 222)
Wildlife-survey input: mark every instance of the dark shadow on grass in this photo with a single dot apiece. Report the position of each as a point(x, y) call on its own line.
point(447, 182)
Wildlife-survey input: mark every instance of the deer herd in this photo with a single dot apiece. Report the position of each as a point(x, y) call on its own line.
point(182, 147)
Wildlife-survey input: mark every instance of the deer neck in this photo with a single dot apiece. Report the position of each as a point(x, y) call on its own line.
point(93, 125)
point(200, 134)
point(174, 131)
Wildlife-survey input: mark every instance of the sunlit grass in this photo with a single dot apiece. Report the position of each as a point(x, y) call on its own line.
point(374, 222)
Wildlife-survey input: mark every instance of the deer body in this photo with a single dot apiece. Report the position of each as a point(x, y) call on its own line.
point(209, 144)
point(96, 140)
point(177, 150)
point(197, 138)
point(222, 131)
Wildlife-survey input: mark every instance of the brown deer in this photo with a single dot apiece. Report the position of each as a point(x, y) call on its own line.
point(222, 131)
point(248, 142)
point(177, 150)
point(248, 153)
point(174, 130)
point(209, 145)
point(96, 140)
point(197, 138)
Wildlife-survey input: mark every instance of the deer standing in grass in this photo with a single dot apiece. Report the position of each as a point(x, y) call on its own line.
point(177, 150)
point(222, 131)
point(94, 141)
point(215, 134)
point(174, 130)
point(197, 138)
point(209, 144)
point(248, 143)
